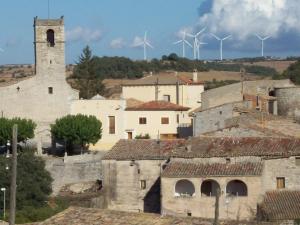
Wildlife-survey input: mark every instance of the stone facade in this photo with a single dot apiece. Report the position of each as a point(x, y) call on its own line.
point(235, 92)
point(46, 96)
point(288, 102)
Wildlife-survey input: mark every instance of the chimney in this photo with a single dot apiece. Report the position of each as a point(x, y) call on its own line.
point(195, 76)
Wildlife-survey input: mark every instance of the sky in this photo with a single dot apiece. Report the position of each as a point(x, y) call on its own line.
point(115, 27)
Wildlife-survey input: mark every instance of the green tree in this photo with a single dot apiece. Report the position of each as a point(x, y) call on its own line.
point(87, 81)
point(77, 130)
point(26, 129)
point(293, 72)
point(33, 180)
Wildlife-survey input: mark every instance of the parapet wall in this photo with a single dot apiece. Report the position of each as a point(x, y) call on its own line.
point(74, 169)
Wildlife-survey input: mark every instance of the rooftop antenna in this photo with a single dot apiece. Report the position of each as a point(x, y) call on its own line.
point(145, 44)
point(262, 43)
point(183, 41)
point(221, 43)
point(196, 42)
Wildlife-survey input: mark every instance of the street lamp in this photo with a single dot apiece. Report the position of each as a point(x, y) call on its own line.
point(3, 190)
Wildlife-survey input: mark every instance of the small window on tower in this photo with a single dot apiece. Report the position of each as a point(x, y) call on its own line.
point(50, 90)
point(50, 38)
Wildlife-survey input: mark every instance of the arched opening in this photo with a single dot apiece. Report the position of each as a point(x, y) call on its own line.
point(236, 188)
point(209, 188)
point(50, 38)
point(184, 188)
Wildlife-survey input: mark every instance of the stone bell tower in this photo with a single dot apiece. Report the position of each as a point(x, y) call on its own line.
point(49, 47)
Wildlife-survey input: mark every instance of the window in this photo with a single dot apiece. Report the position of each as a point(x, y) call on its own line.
point(189, 214)
point(209, 188)
point(184, 188)
point(167, 98)
point(142, 120)
point(165, 120)
point(50, 90)
point(236, 188)
point(280, 182)
point(177, 118)
point(297, 161)
point(228, 160)
point(50, 38)
point(112, 127)
point(143, 184)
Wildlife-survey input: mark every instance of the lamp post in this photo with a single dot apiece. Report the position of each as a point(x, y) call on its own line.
point(3, 190)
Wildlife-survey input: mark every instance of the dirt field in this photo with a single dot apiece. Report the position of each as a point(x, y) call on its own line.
point(279, 66)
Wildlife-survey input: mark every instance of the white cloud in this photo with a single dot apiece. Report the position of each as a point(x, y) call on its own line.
point(117, 43)
point(244, 18)
point(83, 34)
point(137, 42)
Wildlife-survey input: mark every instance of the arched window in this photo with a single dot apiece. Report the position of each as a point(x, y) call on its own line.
point(50, 38)
point(184, 188)
point(236, 188)
point(209, 188)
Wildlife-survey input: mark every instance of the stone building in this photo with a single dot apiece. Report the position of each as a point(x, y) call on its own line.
point(45, 96)
point(182, 177)
point(168, 87)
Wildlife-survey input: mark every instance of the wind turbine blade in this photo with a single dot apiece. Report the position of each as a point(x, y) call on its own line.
point(216, 37)
point(177, 42)
point(147, 43)
point(259, 37)
point(188, 43)
point(190, 35)
point(202, 43)
point(225, 38)
point(201, 31)
point(145, 36)
point(266, 38)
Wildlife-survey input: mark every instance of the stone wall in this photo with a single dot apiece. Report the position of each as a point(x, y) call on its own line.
point(214, 119)
point(288, 102)
point(234, 207)
point(233, 92)
point(74, 169)
point(123, 188)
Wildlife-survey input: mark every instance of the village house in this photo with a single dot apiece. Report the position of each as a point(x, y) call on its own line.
point(128, 119)
point(168, 87)
point(182, 177)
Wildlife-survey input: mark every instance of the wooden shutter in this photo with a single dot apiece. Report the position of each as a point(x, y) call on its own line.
point(112, 127)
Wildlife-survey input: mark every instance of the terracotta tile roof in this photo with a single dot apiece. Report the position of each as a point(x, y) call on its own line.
point(205, 147)
point(157, 106)
point(87, 216)
point(186, 169)
point(142, 149)
point(280, 205)
point(163, 79)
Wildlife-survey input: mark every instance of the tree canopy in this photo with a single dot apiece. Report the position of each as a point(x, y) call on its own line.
point(33, 180)
point(293, 72)
point(77, 130)
point(26, 129)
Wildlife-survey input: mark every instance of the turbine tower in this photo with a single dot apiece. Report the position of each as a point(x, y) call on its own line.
point(221, 43)
point(198, 49)
point(183, 41)
point(145, 44)
point(262, 43)
point(196, 42)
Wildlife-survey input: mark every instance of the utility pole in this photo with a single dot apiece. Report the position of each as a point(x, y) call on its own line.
point(13, 183)
point(217, 206)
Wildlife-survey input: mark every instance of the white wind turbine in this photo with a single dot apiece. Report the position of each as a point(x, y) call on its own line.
point(145, 44)
point(262, 43)
point(196, 42)
point(183, 41)
point(221, 43)
point(198, 48)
